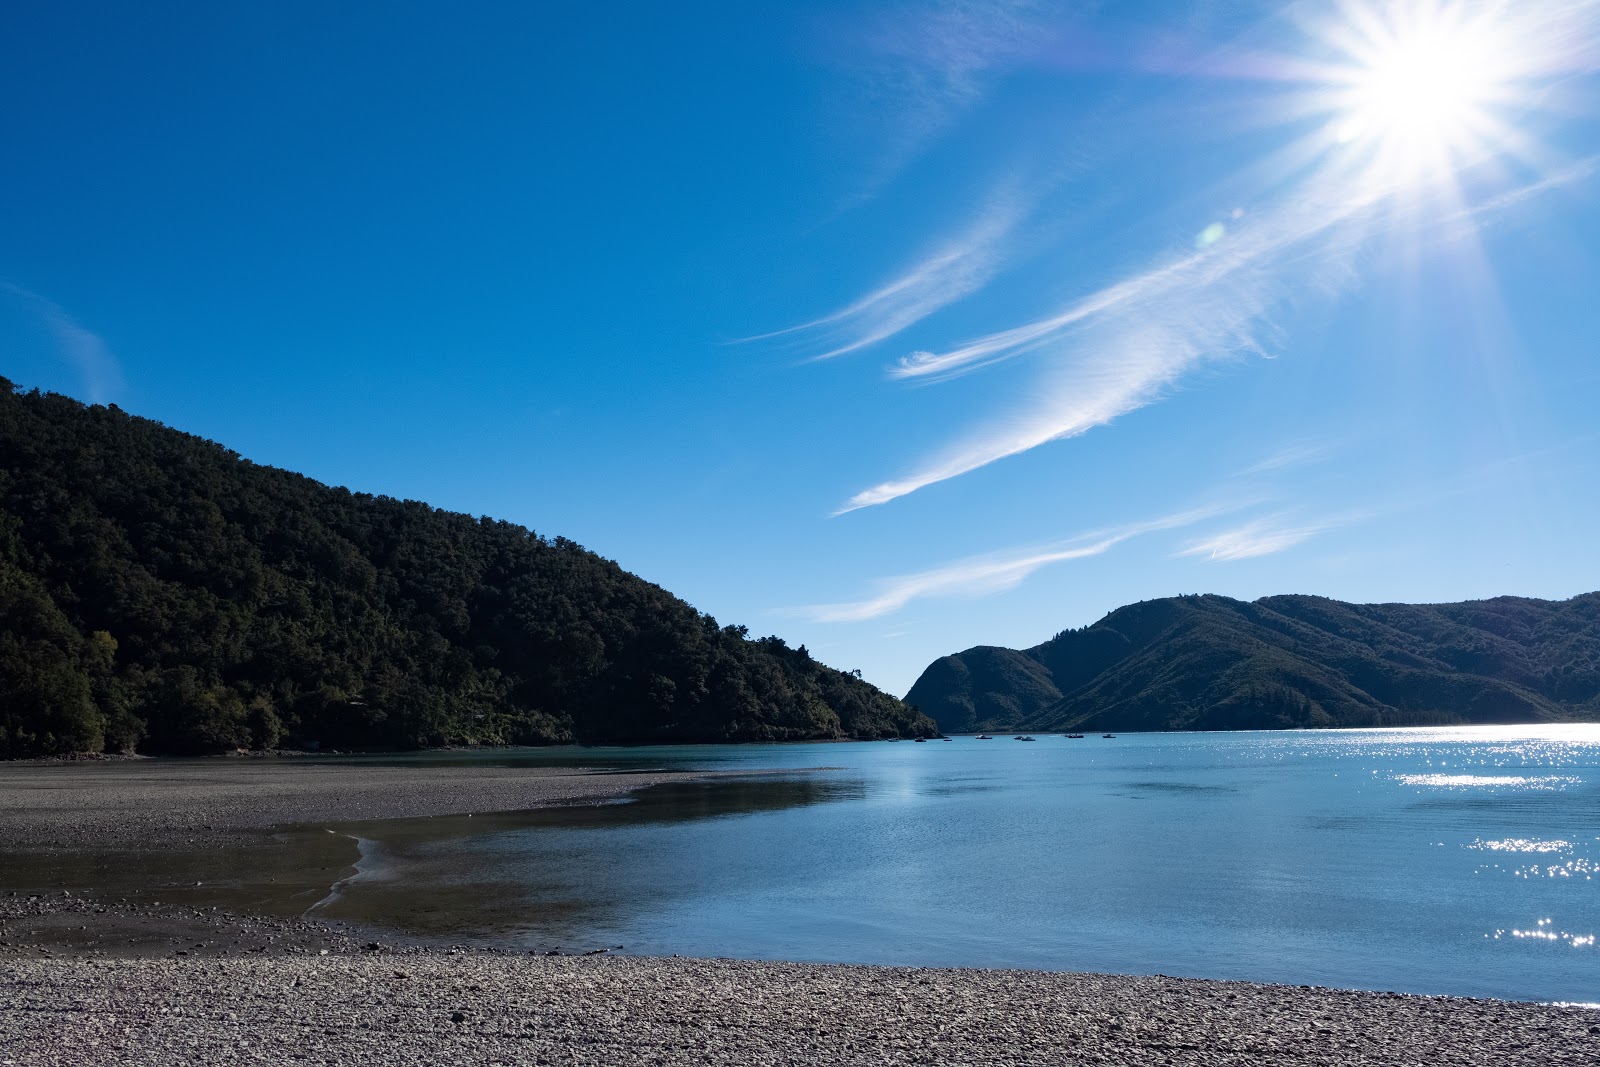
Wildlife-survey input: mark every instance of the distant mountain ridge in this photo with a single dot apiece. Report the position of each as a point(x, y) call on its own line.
point(1213, 663)
point(160, 593)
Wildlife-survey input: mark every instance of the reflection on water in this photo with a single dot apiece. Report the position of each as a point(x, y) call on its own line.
point(1421, 860)
point(522, 875)
point(1522, 844)
point(1478, 781)
point(1543, 931)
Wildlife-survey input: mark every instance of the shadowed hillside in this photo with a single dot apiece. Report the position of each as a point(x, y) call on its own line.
point(159, 592)
point(1211, 663)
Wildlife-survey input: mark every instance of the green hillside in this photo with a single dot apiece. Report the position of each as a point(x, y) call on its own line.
point(158, 592)
point(1211, 663)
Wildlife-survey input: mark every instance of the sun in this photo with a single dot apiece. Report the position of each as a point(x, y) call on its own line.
point(1421, 86)
point(1426, 85)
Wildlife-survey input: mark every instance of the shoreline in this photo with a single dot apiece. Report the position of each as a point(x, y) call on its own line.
point(73, 759)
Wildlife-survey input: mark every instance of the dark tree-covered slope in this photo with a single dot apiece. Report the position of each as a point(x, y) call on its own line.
point(159, 592)
point(1211, 663)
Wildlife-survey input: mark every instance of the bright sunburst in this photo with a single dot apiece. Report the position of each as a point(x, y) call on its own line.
point(1431, 81)
point(1423, 83)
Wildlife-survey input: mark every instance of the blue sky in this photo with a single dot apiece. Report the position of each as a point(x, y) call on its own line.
point(893, 328)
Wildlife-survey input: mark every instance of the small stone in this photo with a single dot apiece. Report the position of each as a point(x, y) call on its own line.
point(458, 1017)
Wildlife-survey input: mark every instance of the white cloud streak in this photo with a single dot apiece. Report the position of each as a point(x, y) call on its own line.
point(993, 573)
point(83, 349)
point(1568, 175)
point(1262, 537)
point(1122, 347)
point(955, 268)
point(1298, 454)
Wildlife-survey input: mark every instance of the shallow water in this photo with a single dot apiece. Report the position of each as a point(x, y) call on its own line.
point(1456, 861)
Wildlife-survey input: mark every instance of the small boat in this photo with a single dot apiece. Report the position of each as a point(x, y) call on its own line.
point(1022, 737)
point(920, 740)
point(1078, 736)
point(985, 737)
point(1108, 735)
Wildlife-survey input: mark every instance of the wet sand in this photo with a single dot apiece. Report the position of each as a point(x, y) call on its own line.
point(143, 857)
point(489, 1009)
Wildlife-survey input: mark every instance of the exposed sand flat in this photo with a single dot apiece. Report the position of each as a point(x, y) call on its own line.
point(169, 803)
point(486, 1009)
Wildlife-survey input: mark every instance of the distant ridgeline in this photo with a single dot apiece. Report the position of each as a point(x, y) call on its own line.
point(1211, 663)
point(158, 592)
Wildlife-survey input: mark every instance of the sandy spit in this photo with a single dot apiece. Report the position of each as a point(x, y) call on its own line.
point(490, 1009)
point(149, 804)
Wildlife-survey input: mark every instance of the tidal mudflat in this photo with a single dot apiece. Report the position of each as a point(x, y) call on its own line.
point(163, 843)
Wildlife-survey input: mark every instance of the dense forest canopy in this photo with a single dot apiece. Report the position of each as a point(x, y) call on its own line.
point(159, 593)
point(1211, 663)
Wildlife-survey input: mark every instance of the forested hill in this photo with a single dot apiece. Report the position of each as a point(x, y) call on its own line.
point(159, 592)
point(1211, 663)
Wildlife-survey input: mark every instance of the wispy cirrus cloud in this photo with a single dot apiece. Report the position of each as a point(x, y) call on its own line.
point(927, 64)
point(80, 347)
point(996, 572)
point(1295, 454)
point(1123, 347)
point(1260, 537)
point(952, 269)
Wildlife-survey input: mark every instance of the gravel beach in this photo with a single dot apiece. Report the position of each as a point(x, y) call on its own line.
point(487, 1009)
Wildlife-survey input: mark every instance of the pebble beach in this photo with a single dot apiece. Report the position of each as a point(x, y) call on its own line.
point(482, 1008)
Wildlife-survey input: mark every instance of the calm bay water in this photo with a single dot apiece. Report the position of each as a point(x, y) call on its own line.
point(1458, 861)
